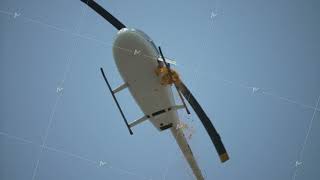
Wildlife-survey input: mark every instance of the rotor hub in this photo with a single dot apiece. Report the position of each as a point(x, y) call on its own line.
point(167, 76)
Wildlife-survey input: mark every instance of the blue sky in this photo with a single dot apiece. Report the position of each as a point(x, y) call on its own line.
point(58, 120)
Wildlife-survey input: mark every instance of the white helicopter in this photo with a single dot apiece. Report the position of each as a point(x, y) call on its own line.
point(151, 86)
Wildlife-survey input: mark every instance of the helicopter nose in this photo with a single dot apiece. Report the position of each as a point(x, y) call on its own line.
point(126, 41)
point(132, 42)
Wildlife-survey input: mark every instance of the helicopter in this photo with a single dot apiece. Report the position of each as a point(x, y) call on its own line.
point(148, 76)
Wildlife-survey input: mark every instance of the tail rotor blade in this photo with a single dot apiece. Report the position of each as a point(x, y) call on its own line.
point(104, 13)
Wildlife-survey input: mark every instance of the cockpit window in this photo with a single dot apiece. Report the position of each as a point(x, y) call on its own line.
point(148, 38)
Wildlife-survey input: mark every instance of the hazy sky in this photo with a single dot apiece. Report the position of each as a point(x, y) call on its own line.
point(252, 64)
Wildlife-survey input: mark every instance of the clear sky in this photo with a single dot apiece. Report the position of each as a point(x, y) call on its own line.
point(252, 64)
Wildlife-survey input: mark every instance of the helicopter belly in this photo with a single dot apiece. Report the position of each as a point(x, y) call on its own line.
point(136, 59)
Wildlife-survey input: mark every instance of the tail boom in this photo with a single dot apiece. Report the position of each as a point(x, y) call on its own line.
point(185, 148)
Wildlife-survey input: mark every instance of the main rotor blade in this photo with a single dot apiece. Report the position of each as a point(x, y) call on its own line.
point(105, 14)
point(170, 75)
point(214, 136)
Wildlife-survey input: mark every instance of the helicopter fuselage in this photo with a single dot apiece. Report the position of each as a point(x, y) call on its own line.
point(136, 58)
